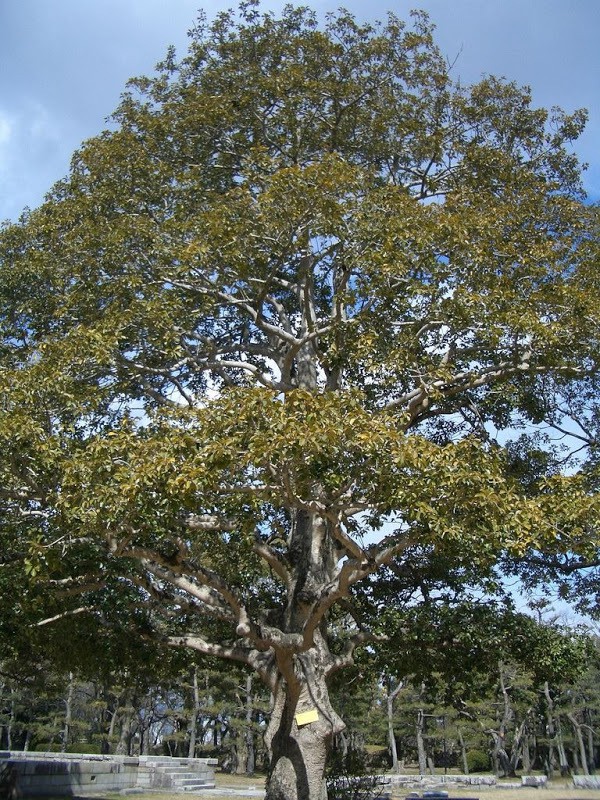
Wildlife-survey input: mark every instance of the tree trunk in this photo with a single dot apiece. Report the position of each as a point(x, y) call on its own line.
point(562, 753)
point(9, 727)
point(463, 752)
point(111, 729)
point(145, 725)
point(526, 756)
point(194, 715)
point(68, 715)
point(249, 733)
point(590, 747)
point(298, 745)
point(124, 744)
point(422, 755)
point(303, 722)
point(391, 696)
point(519, 742)
point(243, 738)
point(555, 744)
point(580, 743)
point(500, 756)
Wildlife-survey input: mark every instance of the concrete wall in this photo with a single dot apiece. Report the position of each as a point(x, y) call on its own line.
point(68, 774)
point(431, 781)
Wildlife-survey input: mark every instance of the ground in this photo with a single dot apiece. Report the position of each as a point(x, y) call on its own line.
point(243, 788)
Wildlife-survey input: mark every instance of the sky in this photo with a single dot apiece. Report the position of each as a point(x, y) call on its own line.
point(64, 63)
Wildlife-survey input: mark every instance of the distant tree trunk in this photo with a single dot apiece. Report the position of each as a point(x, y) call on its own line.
point(562, 753)
point(590, 747)
point(250, 750)
point(526, 755)
point(421, 754)
point(501, 756)
point(111, 728)
point(68, 715)
point(533, 750)
point(392, 694)
point(9, 727)
point(124, 744)
point(555, 735)
point(516, 752)
point(194, 715)
point(2, 726)
point(145, 727)
point(242, 750)
point(580, 743)
point(463, 752)
point(342, 742)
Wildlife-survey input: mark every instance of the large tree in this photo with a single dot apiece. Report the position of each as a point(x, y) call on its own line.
point(260, 339)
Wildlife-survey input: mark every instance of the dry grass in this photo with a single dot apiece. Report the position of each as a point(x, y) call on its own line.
point(554, 792)
point(235, 786)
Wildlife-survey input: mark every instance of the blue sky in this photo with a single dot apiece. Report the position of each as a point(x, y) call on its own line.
point(64, 63)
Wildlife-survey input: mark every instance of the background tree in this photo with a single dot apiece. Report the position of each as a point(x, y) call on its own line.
point(272, 316)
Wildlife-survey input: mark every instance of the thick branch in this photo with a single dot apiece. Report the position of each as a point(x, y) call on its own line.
point(73, 612)
point(271, 557)
point(232, 652)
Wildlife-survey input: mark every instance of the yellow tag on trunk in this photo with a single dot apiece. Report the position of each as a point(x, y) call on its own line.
point(306, 717)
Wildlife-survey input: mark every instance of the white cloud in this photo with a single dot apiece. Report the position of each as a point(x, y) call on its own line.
point(66, 63)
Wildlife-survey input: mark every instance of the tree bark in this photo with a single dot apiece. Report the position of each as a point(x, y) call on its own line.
point(555, 734)
point(463, 752)
point(9, 727)
point(580, 743)
point(590, 744)
point(68, 715)
point(391, 696)
point(110, 737)
point(145, 723)
point(194, 715)
point(422, 755)
point(525, 755)
point(562, 753)
point(124, 744)
point(297, 747)
point(519, 744)
point(249, 733)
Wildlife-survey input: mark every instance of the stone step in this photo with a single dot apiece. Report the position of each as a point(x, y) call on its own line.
point(175, 771)
point(187, 777)
point(179, 775)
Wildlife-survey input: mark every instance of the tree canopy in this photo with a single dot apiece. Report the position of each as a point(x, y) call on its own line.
point(271, 334)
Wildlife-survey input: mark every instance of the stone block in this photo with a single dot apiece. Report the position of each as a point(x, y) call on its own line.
point(534, 780)
point(586, 781)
